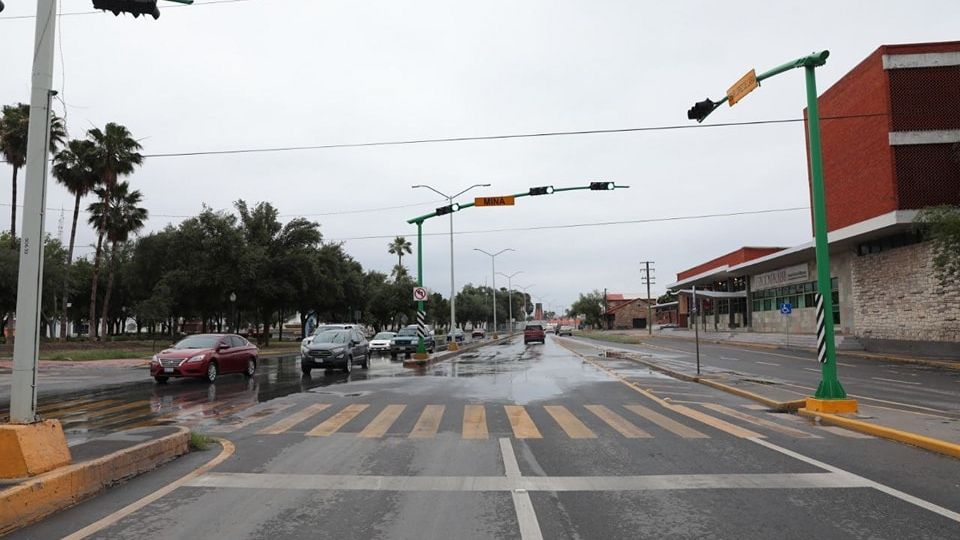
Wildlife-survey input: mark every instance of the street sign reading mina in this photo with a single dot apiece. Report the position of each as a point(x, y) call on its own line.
point(504, 200)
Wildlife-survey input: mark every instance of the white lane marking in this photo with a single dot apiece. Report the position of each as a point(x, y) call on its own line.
point(728, 358)
point(916, 501)
point(845, 364)
point(894, 381)
point(811, 369)
point(766, 363)
point(522, 504)
point(524, 484)
point(809, 389)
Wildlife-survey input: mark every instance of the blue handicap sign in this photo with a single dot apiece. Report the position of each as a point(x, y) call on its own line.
point(786, 308)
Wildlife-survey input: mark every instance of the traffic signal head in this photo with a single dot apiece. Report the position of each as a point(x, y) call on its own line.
point(701, 110)
point(1, 6)
point(450, 208)
point(133, 7)
point(542, 190)
point(602, 186)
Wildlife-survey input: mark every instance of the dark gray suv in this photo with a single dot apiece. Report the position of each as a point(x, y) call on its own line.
point(405, 342)
point(339, 349)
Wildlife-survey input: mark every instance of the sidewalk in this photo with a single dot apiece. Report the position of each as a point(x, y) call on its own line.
point(938, 433)
point(96, 464)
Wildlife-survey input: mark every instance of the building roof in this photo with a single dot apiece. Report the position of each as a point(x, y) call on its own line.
point(841, 239)
point(738, 256)
point(618, 307)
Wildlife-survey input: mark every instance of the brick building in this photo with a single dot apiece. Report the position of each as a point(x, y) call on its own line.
point(624, 311)
point(890, 134)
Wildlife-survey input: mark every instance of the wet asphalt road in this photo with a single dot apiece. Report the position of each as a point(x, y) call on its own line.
point(517, 442)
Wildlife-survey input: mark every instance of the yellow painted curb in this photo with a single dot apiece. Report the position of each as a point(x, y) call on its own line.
point(47, 493)
point(32, 449)
point(831, 406)
point(782, 406)
point(915, 439)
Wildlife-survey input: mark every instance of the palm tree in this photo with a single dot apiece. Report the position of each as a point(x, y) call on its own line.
point(72, 167)
point(119, 208)
point(14, 128)
point(398, 247)
point(114, 155)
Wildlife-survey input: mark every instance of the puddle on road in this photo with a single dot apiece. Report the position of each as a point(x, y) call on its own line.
point(511, 372)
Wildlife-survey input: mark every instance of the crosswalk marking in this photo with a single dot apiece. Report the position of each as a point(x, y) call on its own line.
point(522, 424)
point(249, 419)
point(668, 424)
point(474, 422)
point(294, 419)
point(429, 422)
point(379, 426)
point(760, 421)
point(617, 422)
point(722, 425)
point(334, 423)
point(574, 428)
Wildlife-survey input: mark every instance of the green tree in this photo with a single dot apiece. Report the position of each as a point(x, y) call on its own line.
point(73, 168)
point(399, 247)
point(941, 225)
point(590, 306)
point(118, 209)
point(115, 154)
point(14, 128)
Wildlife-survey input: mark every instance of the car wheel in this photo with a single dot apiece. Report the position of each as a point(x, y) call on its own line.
point(348, 367)
point(306, 371)
point(251, 368)
point(393, 357)
point(161, 380)
point(211, 372)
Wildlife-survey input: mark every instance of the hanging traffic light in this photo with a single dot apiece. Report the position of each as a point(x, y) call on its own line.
point(542, 190)
point(701, 110)
point(602, 186)
point(450, 208)
point(133, 7)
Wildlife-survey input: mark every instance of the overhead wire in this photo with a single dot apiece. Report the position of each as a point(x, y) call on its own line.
point(95, 12)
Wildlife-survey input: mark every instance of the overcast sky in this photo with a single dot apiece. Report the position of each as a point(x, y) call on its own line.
point(274, 73)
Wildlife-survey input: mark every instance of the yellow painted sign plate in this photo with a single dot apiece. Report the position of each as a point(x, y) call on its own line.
point(505, 200)
point(741, 88)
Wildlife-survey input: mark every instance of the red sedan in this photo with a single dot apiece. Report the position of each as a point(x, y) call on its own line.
point(206, 356)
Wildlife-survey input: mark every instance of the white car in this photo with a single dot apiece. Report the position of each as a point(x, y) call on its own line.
point(381, 342)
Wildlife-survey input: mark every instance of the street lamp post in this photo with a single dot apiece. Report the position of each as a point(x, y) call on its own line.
point(510, 295)
point(493, 267)
point(453, 292)
point(524, 289)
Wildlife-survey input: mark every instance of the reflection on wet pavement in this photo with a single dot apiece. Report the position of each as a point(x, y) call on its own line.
point(510, 371)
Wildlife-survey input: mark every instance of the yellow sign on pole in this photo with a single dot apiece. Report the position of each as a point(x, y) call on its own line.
point(505, 200)
point(741, 88)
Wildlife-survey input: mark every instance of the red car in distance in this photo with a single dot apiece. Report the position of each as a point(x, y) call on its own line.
point(534, 332)
point(206, 356)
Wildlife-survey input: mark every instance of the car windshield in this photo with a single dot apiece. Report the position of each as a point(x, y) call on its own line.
point(197, 342)
point(384, 335)
point(327, 327)
point(407, 332)
point(332, 336)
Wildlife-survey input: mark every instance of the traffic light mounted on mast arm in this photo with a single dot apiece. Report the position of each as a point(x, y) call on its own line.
point(702, 109)
point(134, 7)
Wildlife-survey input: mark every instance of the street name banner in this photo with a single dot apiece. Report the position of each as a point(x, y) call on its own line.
point(778, 278)
point(748, 83)
point(506, 200)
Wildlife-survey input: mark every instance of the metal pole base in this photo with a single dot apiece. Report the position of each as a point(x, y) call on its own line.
point(453, 346)
point(421, 356)
point(31, 449)
point(830, 388)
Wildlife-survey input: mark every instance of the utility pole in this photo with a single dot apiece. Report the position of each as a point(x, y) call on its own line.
point(648, 280)
point(510, 295)
point(605, 308)
point(493, 272)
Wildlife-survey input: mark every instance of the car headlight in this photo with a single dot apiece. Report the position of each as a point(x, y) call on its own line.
point(339, 352)
point(194, 359)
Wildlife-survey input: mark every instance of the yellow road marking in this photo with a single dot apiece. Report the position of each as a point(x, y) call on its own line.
point(379, 426)
point(668, 424)
point(760, 421)
point(569, 423)
point(732, 429)
point(522, 424)
point(474, 422)
point(294, 419)
point(428, 423)
point(617, 422)
point(337, 421)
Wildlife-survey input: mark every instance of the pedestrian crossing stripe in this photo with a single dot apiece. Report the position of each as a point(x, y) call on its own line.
point(570, 421)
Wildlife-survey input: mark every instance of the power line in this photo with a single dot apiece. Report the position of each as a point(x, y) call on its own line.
point(72, 13)
point(498, 137)
point(580, 225)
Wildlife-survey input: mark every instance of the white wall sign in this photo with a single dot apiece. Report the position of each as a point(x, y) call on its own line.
point(778, 278)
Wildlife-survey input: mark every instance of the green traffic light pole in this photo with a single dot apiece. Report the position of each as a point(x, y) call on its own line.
point(443, 210)
point(830, 387)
